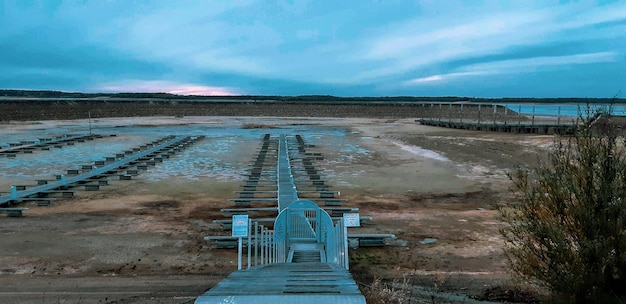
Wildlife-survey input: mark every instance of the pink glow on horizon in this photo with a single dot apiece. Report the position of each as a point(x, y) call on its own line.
point(201, 91)
point(168, 87)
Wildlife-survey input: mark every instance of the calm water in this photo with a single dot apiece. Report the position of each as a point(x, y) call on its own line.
point(569, 110)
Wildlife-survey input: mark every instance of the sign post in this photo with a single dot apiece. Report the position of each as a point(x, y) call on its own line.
point(240, 229)
point(351, 220)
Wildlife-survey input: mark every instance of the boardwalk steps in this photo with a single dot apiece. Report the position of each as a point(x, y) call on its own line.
point(306, 283)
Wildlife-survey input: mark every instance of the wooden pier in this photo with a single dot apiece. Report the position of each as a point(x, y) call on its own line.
point(301, 256)
point(11, 150)
point(522, 128)
point(92, 177)
point(308, 283)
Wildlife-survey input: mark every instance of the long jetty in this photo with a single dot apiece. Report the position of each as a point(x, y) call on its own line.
point(261, 190)
point(524, 128)
point(303, 259)
point(155, 150)
point(26, 147)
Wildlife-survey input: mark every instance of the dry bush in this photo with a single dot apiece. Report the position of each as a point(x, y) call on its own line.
point(568, 233)
point(380, 292)
point(510, 294)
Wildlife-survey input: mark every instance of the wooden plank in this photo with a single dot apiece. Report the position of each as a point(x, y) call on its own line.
point(13, 212)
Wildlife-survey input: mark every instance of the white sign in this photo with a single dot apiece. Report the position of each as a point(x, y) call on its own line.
point(240, 225)
point(351, 220)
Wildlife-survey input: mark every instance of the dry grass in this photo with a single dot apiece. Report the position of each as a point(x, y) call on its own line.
point(379, 292)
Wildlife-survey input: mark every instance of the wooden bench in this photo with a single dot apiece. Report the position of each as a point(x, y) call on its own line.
point(13, 212)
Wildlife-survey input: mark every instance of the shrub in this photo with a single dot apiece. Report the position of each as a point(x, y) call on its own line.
point(380, 292)
point(568, 230)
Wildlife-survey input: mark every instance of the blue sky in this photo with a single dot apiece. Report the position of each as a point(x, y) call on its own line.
point(477, 48)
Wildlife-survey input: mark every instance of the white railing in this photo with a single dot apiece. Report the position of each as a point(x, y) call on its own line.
point(337, 245)
point(515, 113)
point(267, 246)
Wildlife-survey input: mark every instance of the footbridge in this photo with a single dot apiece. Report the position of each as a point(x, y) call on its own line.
point(303, 259)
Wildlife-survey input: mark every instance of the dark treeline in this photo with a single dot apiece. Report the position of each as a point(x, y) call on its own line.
point(301, 98)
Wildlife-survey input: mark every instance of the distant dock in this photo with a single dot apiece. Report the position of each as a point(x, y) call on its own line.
point(524, 128)
point(525, 119)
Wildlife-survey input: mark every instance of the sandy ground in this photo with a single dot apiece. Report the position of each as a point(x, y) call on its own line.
point(141, 242)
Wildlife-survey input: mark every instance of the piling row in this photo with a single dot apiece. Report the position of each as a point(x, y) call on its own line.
point(260, 183)
point(43, 144)
point(261, 193)
point(308, 178)
point(260, 189)
point(92, 176)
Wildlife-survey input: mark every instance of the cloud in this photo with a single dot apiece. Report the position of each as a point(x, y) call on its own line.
point(305, 47)
point(527, 65)
point(441, 78)
point(158, 86)
point(197, 37)
point(547, 62)
point(422, 42)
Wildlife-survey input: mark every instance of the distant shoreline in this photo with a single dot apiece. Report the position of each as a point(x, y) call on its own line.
point(35, 95)
point(37, 109)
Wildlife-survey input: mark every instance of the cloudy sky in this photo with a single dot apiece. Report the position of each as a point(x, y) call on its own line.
point(480, 48)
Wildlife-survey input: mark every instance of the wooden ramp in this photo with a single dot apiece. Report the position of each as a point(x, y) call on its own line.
point(300, 283)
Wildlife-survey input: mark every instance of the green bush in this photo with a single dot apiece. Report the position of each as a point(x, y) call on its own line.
point(567, 232)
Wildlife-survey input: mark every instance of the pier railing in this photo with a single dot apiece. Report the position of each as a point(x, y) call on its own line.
point(302, 223)
point(506, 114)
point(265, 248)
point(337, 246)
point(517, 118)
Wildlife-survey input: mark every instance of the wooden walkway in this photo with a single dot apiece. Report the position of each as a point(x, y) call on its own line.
point(27, 147)
point(301, 283)
point(304, 259)
point(524, 128)
point(165, 146)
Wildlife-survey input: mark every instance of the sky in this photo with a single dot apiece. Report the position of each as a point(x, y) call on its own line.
point(473, 48)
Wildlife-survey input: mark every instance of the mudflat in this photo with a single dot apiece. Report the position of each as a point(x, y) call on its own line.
point(141, 241)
